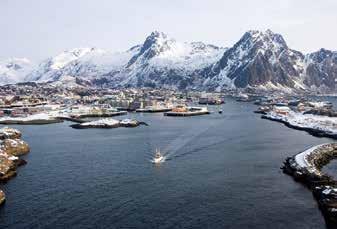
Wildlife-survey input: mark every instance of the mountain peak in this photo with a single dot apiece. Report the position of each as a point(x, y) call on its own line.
point(156, 43)
point(322, 54)
point(155, 38)
point(158, 34)
point(78, 52)
point(265, 36)
point(262, 40)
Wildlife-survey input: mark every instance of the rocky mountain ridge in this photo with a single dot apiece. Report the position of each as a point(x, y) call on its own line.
point(260, 60)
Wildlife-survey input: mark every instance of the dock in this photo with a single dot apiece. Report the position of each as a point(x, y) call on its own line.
point(104, 115)
point(153, 110)
point(186, 114)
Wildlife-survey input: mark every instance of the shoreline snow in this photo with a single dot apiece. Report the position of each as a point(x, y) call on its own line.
point(317, 125)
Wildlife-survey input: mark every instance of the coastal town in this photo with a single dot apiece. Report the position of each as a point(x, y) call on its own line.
point(43, 104)
point(36, 103)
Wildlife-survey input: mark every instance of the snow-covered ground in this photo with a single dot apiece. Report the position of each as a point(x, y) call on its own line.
point(315, 122)
point(40, 116)
point(102, 122)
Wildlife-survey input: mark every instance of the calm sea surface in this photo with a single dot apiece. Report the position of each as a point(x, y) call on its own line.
point(223, 171)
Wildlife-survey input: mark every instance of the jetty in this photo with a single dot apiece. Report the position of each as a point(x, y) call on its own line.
point(153, 110)
point(305, 167)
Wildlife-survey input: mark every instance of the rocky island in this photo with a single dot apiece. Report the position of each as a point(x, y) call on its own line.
point(108, 123)
point(305, 168)
point(184, 111)
point(11, 147)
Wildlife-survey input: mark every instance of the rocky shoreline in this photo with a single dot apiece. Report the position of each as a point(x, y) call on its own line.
point(305, 168)
point(11, 147)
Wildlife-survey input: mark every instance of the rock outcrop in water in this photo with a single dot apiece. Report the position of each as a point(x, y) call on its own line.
point(11, 146)
point(108, 123)
point(2, 197)
point(9, 133)
point(15, 147)
point(305, 168)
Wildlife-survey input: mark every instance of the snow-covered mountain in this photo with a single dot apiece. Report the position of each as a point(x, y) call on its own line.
point(259, 60)
point(163, 61)
point(14, 70)
point(159, 61)
point(80, 62)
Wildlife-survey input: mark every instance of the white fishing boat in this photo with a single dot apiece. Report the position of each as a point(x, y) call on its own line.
point(158, 157)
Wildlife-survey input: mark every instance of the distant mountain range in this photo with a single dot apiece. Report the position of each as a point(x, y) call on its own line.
point(259, 60)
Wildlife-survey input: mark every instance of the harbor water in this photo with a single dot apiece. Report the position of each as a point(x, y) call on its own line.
point(222, 171)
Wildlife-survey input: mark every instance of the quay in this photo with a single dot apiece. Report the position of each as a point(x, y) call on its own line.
point(101, 115)
point(153, 110)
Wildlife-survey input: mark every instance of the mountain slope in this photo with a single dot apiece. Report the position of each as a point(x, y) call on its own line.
point(14, 70)
point(321, 70)
point(159, 61)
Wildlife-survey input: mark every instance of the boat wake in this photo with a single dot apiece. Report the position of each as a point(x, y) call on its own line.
point(174, 149)
point(162, 160)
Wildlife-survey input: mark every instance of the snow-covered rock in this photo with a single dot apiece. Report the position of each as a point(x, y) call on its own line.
point(15, 147)
point(102, 122)
point(108, 123)
point(9, 133)
point(129, 122)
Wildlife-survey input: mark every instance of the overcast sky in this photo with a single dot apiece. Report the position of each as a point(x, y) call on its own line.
point(37, 29)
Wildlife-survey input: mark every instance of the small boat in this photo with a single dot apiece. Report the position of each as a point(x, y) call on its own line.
point(158, 157)
point(220, 111)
